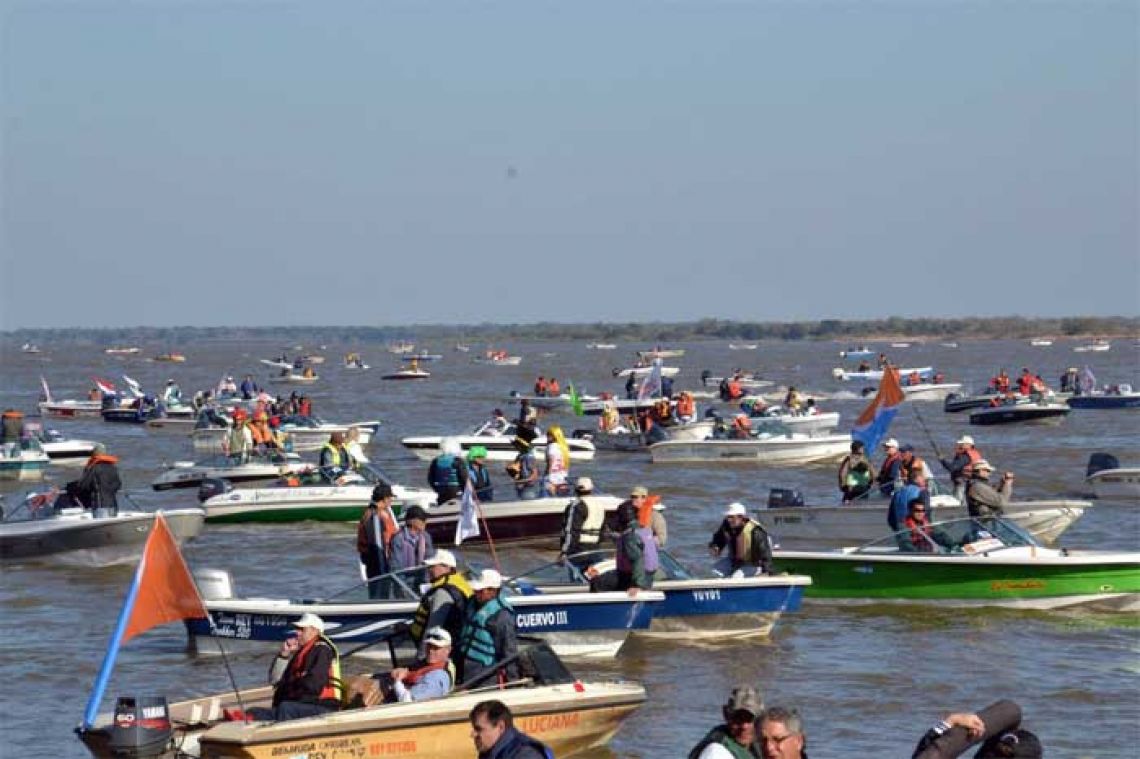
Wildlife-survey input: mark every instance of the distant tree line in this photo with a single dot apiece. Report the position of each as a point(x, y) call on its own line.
point(639, 332)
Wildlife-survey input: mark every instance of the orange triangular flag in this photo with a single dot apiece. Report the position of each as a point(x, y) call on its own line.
point(166, 591)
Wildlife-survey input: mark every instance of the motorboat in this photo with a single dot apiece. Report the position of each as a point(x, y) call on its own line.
point(23, 460)
point(548, 402)
point(59, 449)
point(743, 346)
point(498, 358)
point(950, 344)
point(1021, 409)
point(771, 444)
point(176, 417)
point(68, 408)
point(571, 715)
point(409, 372)
point(304, 433)
point(30, 348)
point(931, 391)
point(354, 361)
point(463, 347)
point(36, 529)
point(259, 467)
point(292, 378)
point(641, 371)
point(573, 624)
point(624, 406)
point(1110, 481)
point(954, 403)
point(1115, 397)
point(877, 374)
point(900, 345)
point(530, 520)
point(1096, 346)
point(698, 605)
point(425, 356)
point(805, 424)
point(313, 495)
point(746, 381)
point(601, 346)
point(834, 525)
point(122, 351)
point(624, 439)
point(649, 355)
point(968, 563)
point(401, 348)
point(861, 352)
point(1041, 342)
point(499, 443)
point(175, 358)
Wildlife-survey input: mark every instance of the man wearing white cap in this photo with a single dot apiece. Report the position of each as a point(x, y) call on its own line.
point(982, 498)
point(890, 471)
point(581, 521)
point(306, 674)
point(747, 542)
point(961, 466)
point(488, 632)
point(431, 676)
point(444, 604)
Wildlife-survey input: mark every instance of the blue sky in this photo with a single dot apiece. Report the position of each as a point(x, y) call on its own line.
point(385, 163)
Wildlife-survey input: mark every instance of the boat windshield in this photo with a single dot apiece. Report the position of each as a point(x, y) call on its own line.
point(394, 586)
point(573, 571)
point(768, 426)
point(35, 504)
point(956, 536)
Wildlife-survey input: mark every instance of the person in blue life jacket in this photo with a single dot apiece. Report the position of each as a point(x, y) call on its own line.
point(488, 634)
point(447, 473)
point(479, 474)
point(496, 737)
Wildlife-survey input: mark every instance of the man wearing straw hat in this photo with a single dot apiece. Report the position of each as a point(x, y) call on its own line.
point(982, 498)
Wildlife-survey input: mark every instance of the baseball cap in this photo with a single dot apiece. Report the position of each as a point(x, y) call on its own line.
point(983, 464)
point(745, 698)
point(891, 443)
point(908, 448)
point(640, 490)
point(488, 578)
point(584, 484)
point(441, 557)
point(308, 619)
point(381, 491)
point(736, 509)
point(965, 440)
point(437, 636)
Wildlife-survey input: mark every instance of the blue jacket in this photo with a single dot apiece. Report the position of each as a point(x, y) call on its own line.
point(898, 508)
point(515, 745)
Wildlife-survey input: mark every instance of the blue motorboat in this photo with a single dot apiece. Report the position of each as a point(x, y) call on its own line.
point(1116, 397)
point(702, 607)
point(574, 624)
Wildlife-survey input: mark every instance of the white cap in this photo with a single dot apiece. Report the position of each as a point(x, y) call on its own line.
point(308, 619)
point(584, 483)
point(437, 636)
point(736, 510)
point(488, 578)
point(442, 556)
point(891, 443)
point(965, 440)
point(451, 446)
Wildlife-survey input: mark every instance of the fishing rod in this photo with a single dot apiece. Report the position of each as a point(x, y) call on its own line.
point(930, 437)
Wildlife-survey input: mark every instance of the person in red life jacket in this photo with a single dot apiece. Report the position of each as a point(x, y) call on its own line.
point(431, 676)
point(686, 408)
point(735, 391)
point(540, 386)
point(305, 406)
point(889, 470)
point(305, 675)
point(747, 543)
point(741, 427)
point(553, 389)
point(496, 737)
point(374, 538)
point(98, 487)
point(1037, 386)
point(918, 527)
point(1003, 381)
point(961, 466)
point(1024, 382)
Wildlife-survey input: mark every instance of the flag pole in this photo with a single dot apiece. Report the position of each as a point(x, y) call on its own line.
point(490, 540)
point(112, 654)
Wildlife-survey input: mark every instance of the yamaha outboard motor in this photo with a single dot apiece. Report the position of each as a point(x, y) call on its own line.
point(784, 498)
point(1098, 462)
point(212, 486)
point(141, 727)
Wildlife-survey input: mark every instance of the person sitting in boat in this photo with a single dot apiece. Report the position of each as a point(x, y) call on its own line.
point(918, 533)
point(686, 408)
point(1037, 386)
point(582, 521)
point(733, 389)
point(540, 386)
point(498, 424)
point(746, 541)
point(914, 378)
point(94, 394)
point(889, 469)
point(523, 471)
point(553, 389)
point(98, 487)
point(666, 387)
point(650, 431)
point(431, 675)
point(741, 427)
point(1070, 380)
point(982, 498)
point(444, 603)
point(856, 473)
point(334, 459)
point(662, 412)
point(863, 367)
point(736, 736)
point(793, 400)
point(556, 478)
point(610, 420)
point(305, 675)
point(239, 439)
point(479, 474)
point(901, 498)
point(1024, 382)
point(810, 409)
point(308, 372)
point(636, 559)
point(962, 465)
point(374, 535)
point(939, 378)
point(172, 394)
point(1002, 385)
point(489, 633)
point(447, 473)
point(304, 405)
point(263, 438)
point(496, 737)
point(411, 544)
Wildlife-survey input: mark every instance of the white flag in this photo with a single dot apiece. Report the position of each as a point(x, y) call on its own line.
point(651, 383)
point(467, 526)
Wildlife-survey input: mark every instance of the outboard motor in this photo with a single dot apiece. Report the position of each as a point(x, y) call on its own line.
point(1098, 462)
point(214, 584)
point(212, 486)
point(785, 498)
point(141, 727)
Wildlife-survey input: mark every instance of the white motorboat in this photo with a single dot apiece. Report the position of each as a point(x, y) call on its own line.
point(499, 444)
point(624, 439)
point(407, 373)
point(747, 381)
point(1096, 346)
point(258, 467)
point(498, 358)
point(462, 348)
point(292, 378)
point(624, 406)
point(649, 355)
point(30, 348)
point(354, 361)
point(766, 447)
point(900, 345)
point(877, 374)
point(931, 391)
point(304, 433)
point(548, 402)
point(1110, 481)
point(601, 346)
point(861, 352)
point(68, 408)
point(121, 351)
point(1041, 342)
point(641, 371)
point(401, 347)
point(804, 424)
point(950, 344)
point(743, 346)
point(61, 450)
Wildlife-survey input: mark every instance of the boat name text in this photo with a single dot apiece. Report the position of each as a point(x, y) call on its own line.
point(543, 619)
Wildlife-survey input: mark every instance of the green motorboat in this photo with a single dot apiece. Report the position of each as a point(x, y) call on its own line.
point(968, 562)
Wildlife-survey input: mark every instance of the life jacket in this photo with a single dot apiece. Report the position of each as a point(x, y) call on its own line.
point(648, 548)
point(592, 526)
point(685, 405)
point(297, 668)
point(610, 418)
point(305, 408)
point(1037, 386)
point(734, 390)
point(742, 424)
point(443, 474)
point(662, 411)
point(388, 528)
point(100, 458)
point(334, 454)
point(417, 674)
point(540, 387)
point(260, 433)
point(476, 642)
point(742, 544)
point(918, 533)
point(553, 387)
point(888, 464)
point(975, 456)
point(480, 478)
point(454, 585)
point(1023, 384)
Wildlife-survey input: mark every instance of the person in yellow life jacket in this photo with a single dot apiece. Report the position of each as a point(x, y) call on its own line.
point(334, 459)
point(431, 675)
point(686, 408)
point(305, 675)
point(793, 401)
point(610, 420)
point(747, 543)
point(444, 603)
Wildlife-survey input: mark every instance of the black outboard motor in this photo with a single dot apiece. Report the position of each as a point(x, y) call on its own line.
point(1098, 462)
point(141, 727)
point(785, 498)
point(212, 486)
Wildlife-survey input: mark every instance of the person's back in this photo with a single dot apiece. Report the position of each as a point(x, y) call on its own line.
point(99, 485)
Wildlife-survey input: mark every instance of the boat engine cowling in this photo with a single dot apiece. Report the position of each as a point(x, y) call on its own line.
point(782, 498)
point(141, 727)
point(1098, 462)
point(212, 486)
point(214, 584)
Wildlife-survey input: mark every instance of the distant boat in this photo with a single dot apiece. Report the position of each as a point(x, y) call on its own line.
point(861, 352)
point(1041, 342)
point(30, 348)
point(121, 351)
point(900, 345)
point(176, 358)
point(743, 346)
point(402, 347)
point(1096, 346)
point(949, 345)
point(462, 348)
point(601, 346)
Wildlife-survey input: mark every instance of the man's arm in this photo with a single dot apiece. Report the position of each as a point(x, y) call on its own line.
point(762, 547)
point(506, 644)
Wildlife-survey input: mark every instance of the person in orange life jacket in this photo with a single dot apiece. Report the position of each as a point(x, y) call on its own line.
point(489, 634)
point(918, 526)
point(98, 487)
point(431, 674)
point(553, 389)
point(1024, 382)
point(444, 603)
point(305, 675)
point(447, 473)
point(889, 470)
point(746, 540)
point(736, 736)
point(686, 408)
point(663, 412)
point(961, 466)
point(411, 544)
point(735, 391)
point(374, 537)
point(479, 474)
point(901, 498)
point(496, 737)
point(636, 548)
point(540, 386)
point(741, 427)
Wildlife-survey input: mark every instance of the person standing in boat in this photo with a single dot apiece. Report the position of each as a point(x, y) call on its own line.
point(488, 634)
point(496, 737)
point(961, 467)
point(636, 555)
point(239, 439)
point(444, 603)
point(856, 473)
point(479, 474)
point(248, 388)
point(447, 473)
point(374, 535)
point(556, 480)
point(98, 487)
point(982, 498)
point(581, 521)
point(747, 543)
point(305, 675)
point(411, 544)
point(889, 470)
point(524, 469)
point(172, 394)
point(902, 497)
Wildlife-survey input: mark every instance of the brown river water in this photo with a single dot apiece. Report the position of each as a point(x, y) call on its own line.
point(869, 681)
